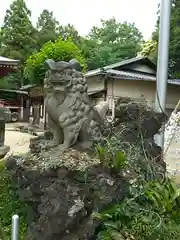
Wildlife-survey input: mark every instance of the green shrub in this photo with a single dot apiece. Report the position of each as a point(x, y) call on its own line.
point(111, 158)
point(165, 197)
point(113, 151)
point(10, 205)
point(151, 212)
point(59, 50)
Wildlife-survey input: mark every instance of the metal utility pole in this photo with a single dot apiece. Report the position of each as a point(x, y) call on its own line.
point(15, 227)
point(163, 58)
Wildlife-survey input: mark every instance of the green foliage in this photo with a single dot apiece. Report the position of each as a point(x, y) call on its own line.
point(47, 27)
point(111, 158)
point(10, 205)
point(113, 150)
point(69, 31)
point(18, 38)
point(5, 84)
point(111, 43)
point(17, 33)
point(165, 196)
point(58, 50)
point(152, 209)
point(174, 46)
point(152, 213)
point(150, 50)
point(12, 81)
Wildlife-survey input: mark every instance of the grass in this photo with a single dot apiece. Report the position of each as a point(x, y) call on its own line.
point(10, 205)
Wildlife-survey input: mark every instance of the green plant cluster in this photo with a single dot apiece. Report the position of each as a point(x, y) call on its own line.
point(150, 212)
point(152, 209)
point(10, 205)
point(118, 154)
point(59, 50)
point(110, 157)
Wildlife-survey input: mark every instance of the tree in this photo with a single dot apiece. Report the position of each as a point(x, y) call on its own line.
point(18, 38)
point(1, 39)
point(150, 50)
point(174, 44)
point(70, 32)
point(12, 81)
point(59, 50)
point(18, 34)
point(111, 43)
point(47, 27)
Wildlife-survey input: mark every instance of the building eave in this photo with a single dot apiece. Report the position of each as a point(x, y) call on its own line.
point(8, 61)
point(14, 91)
point(124, 63)
point(126, 75)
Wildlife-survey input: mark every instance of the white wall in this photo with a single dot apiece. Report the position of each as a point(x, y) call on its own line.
point(143, 91)
point(138, 90)
point(95, 83)
point(142, 68)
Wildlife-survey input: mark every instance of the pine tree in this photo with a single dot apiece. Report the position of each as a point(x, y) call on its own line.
point(47, 27)
point(18, 34)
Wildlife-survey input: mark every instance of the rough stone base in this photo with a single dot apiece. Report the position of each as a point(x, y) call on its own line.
point(62, 201)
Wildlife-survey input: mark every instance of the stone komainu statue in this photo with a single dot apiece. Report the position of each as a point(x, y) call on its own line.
point(70, 112)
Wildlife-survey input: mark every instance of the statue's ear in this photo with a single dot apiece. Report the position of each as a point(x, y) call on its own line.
point(76, 65)
point(50, 64)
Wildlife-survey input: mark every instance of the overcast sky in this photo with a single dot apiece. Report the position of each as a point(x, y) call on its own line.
point(84, 14)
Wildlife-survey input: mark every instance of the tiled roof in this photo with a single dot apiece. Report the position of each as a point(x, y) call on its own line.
point(116, 65)
point(136, 76)
point(129, 76)
point(129, 61)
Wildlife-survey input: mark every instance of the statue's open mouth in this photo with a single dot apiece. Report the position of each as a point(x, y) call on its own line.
point(58, 88)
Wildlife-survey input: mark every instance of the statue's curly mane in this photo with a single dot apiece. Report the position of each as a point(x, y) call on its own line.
point(68, 106)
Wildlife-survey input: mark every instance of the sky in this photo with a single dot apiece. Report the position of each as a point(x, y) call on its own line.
point(85, 14)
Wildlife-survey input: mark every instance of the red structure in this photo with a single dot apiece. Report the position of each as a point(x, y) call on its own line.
point(7, 65)
point(11, 99)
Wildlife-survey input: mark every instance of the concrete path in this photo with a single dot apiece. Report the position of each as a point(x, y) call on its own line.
point(18, 142)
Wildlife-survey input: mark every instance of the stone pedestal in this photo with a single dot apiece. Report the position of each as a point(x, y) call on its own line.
point(4, 150)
